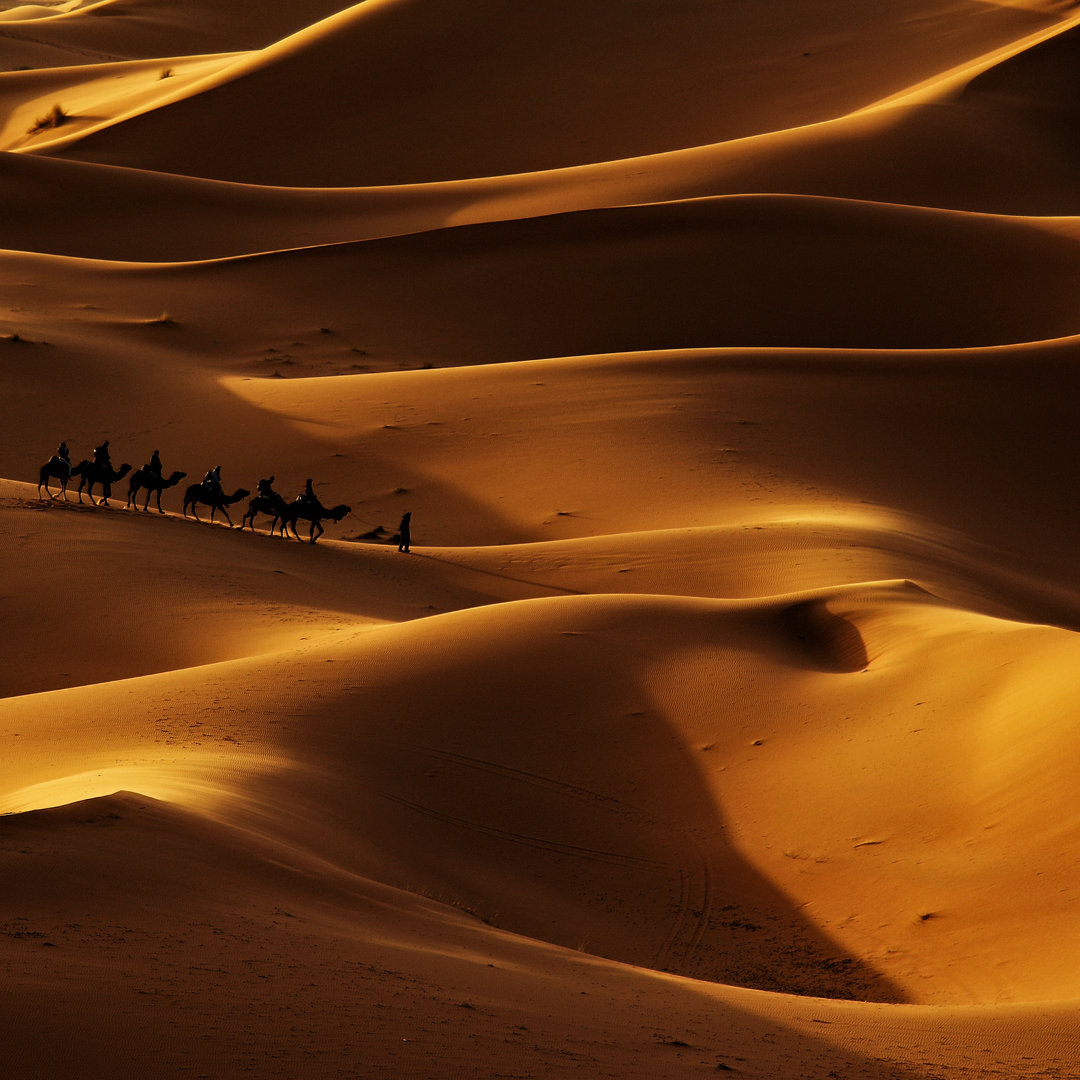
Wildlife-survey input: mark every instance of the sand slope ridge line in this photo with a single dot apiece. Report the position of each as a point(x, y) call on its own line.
point(744, 271)
point(672, 76)
point(949, 82)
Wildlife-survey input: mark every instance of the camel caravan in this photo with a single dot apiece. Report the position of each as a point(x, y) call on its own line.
point(150, 481)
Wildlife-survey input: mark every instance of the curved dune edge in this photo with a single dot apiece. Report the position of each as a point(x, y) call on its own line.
point(365, 44)
point(721, 715)
point(631, 817)
point(747, 271)
point(464, 997)
point(1008, 158)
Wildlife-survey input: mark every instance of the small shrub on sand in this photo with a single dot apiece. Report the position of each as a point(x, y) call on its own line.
point(54, 119)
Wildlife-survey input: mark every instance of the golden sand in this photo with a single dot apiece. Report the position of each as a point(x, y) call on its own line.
point(720, 717)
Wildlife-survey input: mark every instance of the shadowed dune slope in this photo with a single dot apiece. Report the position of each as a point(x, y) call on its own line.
point(1000, 144)
point(733, 271)
point(370, 977)
point(614, 814)
point(720, 716)
point(510, 89)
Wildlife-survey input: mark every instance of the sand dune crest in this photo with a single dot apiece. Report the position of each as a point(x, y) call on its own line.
point(719, 716)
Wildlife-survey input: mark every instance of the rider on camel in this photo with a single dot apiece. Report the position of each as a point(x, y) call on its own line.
point(212, 481)
point(63, 456)
point(101, 455)
point(155, 464)
point(266, 488)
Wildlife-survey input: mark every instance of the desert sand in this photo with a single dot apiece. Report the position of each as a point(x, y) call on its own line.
point(720, 718)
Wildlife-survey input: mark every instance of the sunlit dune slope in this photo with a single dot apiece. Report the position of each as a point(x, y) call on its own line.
point(728, 439)
point(509, 89)
point(895, 455)
point(639, 815)
point(146, 593)
point(720, 717)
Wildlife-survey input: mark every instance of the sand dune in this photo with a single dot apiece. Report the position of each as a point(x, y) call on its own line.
point(735, 271)
point(92, 31)
point(720, 717)
point(506, 90)
point(996, 141)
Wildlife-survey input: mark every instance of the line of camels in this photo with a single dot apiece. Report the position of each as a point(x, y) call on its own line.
point(151, 484)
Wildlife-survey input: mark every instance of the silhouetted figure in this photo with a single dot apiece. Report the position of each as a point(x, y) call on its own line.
point(216, 500)
point(267, 501)
point(93, 473)
point(404, 533)
point(101, 455)
point(145, 479)
point(58, 467)
point(155, 463)
point(315, 512)
point(212, 480)
point(308, 498)
point(62, 457)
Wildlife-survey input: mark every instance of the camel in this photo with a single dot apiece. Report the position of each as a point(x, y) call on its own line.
point(272, 505)
point(93, 472)
point(315, 512)
point(149, 481)
point(56, 468)
point(216, 500)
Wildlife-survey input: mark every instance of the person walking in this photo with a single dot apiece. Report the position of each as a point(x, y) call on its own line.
point(405, 533)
